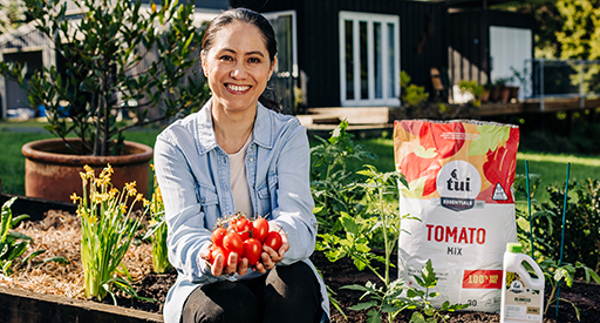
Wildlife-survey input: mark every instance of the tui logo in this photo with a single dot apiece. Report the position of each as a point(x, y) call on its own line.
point(458, 183)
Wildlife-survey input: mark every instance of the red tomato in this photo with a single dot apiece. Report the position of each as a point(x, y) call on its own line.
point(217, 236)
point(273, 240)
point(218, 251)
point(261, 228)
point(244, 229)
point(237, 224)
point(233, 243)
point(252, 250)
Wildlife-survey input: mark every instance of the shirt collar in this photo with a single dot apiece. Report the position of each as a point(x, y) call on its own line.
point(262, 133)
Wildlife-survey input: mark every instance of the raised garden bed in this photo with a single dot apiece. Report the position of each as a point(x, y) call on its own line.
point(27, 306)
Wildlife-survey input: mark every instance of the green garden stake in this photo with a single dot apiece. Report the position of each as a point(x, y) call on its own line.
point(529, 205)
point(562, 236)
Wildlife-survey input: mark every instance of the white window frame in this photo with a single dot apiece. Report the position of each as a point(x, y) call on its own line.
point(370, 19)
point(276, 14)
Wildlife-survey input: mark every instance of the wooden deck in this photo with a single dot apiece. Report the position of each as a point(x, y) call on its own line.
point(372, 121)
point(534, 106)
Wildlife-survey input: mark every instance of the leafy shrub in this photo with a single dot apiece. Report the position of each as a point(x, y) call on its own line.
point(474, 88)
point(582, 224)
point(546, 221)
point(330, 179)
point(411, 94)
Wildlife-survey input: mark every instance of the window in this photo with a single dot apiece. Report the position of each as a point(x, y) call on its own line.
point(286, 69)
point(369, 59)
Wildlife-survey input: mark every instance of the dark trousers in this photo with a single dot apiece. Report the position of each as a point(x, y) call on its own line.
point(285, 294)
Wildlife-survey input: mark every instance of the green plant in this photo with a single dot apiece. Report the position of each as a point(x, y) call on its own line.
point(107, 229)
point(474, 88)
point(582, 225)
point(385, 220)
point(119, 58)
point(12, 15)
point(330, 177)
point(12, 243)
point(412, 95)
point(555, 274)
point(415, 95)
point(381, 219)
point(542, 231)
point(520, 75)
point(419, 299)
point(501, 81)
point(157, 231)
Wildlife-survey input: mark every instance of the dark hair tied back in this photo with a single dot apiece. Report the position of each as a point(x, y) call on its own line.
point(253, 18)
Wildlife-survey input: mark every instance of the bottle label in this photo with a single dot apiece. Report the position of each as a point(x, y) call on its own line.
point(482, 279)
point(522, 304)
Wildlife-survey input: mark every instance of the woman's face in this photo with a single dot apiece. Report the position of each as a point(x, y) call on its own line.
point(237, 67)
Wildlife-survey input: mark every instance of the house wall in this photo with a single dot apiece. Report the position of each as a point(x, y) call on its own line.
point(469, 43)
point(25, 45)
point(423, 29)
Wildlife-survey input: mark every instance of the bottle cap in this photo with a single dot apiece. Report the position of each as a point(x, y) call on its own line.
point(514, 247)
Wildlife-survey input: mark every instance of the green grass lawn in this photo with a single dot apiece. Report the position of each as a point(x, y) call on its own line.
point(13, 135)
point(551, 168)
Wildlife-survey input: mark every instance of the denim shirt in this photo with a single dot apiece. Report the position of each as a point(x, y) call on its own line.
point(193, 174)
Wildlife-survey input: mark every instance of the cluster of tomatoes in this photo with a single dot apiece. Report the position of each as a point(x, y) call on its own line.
point(244, 237)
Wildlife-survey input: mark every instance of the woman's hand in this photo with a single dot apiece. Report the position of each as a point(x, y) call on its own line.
point(222, 266)
point(269, 257)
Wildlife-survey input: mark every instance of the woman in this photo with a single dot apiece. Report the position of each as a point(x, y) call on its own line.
point(236, 155)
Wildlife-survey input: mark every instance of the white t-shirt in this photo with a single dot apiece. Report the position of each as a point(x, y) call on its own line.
point(239, 182)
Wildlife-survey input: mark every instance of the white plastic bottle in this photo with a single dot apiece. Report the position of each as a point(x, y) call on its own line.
point(522, 293)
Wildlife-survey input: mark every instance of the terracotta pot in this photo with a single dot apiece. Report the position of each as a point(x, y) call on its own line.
point(504, 94)
point(485, 97)
point(495, 93)
point(514, 93)
point(52, 173)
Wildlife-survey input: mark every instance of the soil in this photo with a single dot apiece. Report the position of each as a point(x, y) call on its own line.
point(338, 274)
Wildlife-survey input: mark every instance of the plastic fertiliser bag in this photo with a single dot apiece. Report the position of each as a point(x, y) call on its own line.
point(460, 175)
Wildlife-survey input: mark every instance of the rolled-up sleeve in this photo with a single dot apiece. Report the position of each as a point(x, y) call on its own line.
point(294, 212)
point(184, 216)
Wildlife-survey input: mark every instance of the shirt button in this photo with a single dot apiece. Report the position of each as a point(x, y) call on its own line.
point(203, 200)
point(251, 159)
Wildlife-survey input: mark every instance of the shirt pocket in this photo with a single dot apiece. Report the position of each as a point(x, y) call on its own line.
point(267, 194)
point(209, 203)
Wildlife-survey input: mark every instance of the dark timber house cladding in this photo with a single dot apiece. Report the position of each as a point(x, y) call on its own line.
point(423, 32)
point(469, 41)
point(349, 53)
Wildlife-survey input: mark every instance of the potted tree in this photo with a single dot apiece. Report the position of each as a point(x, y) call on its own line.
point(120, 58)
point(476, 90)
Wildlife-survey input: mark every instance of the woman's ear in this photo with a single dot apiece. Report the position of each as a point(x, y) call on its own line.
point(203, 61)
point(272, 67)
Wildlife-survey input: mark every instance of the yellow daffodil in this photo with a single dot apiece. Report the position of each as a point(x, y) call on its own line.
point(113, 193)
point(89, 171)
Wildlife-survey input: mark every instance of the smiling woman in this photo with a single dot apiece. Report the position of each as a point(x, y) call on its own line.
point(235, 155)
point(237, 65)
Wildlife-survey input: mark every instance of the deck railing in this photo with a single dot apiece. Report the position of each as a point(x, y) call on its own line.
point(544, 79)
